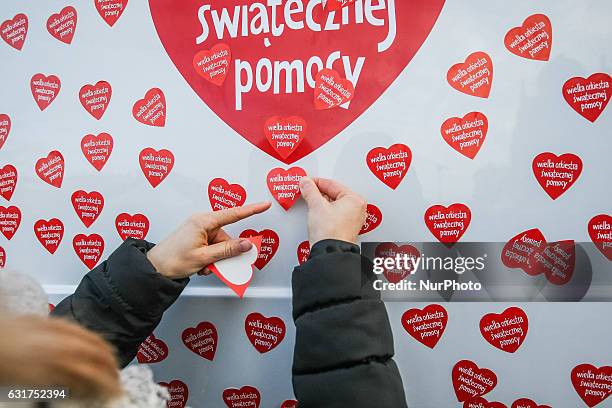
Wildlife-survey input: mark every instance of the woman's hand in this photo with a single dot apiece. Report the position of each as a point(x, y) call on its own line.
point(334, 211)
point(201, 241)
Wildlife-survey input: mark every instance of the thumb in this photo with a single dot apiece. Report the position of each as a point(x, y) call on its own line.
point(310, 192)
point(225, 249)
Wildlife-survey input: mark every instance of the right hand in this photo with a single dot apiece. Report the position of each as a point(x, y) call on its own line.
point(38, 351)
point(334, 211)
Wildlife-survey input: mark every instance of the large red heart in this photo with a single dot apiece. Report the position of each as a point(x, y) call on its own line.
point(556, 174)
point(592, 384)
point(556, 261)
point(97, 149)
point(426, 325)
point(202, 339)
point(448, 224)
point(49, 233)
point(517, 251)
point(10, 218)
point(2, 257)
point(532, 40)
point(303, 252)
point(95, 98)
point(88, 206)
point(466, 135)
point(179, 392)
point(5, 128)
point(480, 402)
point(389, 35)
point(470, 381)
point(391, 250)
point(373, 220)
point(45, 89)
point(505, 331)
point(285, 134)
point(589, 97)
point(246, 396)
point(474, 76)
point(151, 110)
point(8, 181)
point(269, 245)
point(264, 333)
point(284, 185)
point(51, 168)
point(600, 231)
point(14, 31)
point(110, 10)
point(390, 165)
point(527, 403)
point(132, 226)
point(156, 165)
point(223, 195)
point(152, 350)
point(89, 248)
point(63, 24)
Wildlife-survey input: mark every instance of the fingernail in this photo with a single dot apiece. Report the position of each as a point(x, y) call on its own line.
point(244, 245)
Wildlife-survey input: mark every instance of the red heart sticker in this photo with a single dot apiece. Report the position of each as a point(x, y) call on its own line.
point(88, 206)
point(2, 257)
point(426, 325)
point(556, 174)
point(391, 250)
point(5, 128)
point(269, 245)
point(556, 261)
point(264, 333)
point(448, 224)
point(97, 149)
point(110, 10)
point(589, 97)
point(517, 251)
point(156, 165)
point(332, 90)
point(337, 4)
point(277, 54)
point(505, 331)
point(89, 248)
point(474, 76)
point(49, 233)
point(532, 40)
point(214, 64)
point(132, 226)
point(51, 308)
point(223, 195)
point(289, 404)
point(527, 403)
point(303, 252)
point(63, 24)
point(14, 31)
point(246, 396)
point(466, 135)
point(592, 384)
point(178, 390)
point(285, 185)
point(285, 134)
point(10, 218)
point(95, 98)
point(152, 350)
point(151, 110)
point(470, 381)
point(8, 181)
point(50, 169)
point(374, 218)
point(390, 165)
point(480, 402)
point(44, 89)
point(600, 231)
point(201, 339)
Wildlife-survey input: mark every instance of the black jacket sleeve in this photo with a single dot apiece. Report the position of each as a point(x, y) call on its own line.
point(344, 344)
point(122, 299)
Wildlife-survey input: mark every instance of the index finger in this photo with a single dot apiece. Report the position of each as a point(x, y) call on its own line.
point(235, 214)
point(332, 188)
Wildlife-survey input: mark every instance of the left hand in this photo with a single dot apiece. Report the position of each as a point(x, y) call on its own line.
point(201, 241)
